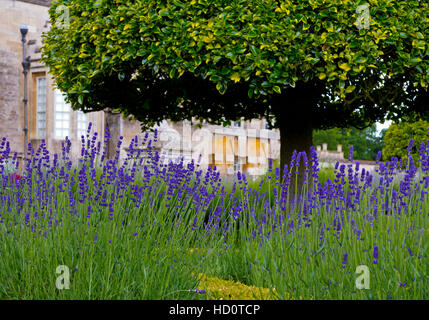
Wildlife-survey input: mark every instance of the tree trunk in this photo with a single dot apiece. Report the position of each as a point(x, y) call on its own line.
point(296, 133)
point(113, 121)
point(294, 115)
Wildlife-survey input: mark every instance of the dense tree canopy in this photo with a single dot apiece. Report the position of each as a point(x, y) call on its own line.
point(303, 64)
point(366, 143)
point(398, 136)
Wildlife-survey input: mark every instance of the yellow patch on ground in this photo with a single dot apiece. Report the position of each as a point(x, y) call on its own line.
point(219, 289)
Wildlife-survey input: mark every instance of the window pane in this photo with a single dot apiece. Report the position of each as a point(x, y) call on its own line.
point(41, 107)
point(82, 124)
point(62, 116)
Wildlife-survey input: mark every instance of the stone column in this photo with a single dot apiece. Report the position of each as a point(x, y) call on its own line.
point(219, 145)
point(187, 141)
point(264, 151)
point(252, 152)
point(229, 150)
point(114, 122)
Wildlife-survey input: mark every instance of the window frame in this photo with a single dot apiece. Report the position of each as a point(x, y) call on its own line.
point(64, 119)
point(38, 110)
point(237, 162)
point(81, 130)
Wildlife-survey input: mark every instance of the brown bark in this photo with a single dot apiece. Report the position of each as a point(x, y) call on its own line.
point(294, 114)
point(113, 121)
point(296, 133)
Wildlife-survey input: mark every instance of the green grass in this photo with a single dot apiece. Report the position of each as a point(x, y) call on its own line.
point(149, 252)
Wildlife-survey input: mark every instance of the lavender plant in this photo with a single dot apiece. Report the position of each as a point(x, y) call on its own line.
point(145, 228)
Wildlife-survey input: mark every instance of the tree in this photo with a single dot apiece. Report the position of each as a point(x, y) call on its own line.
point(332, 137)
point(398, 136)
point(366, 143)
point(302, 64)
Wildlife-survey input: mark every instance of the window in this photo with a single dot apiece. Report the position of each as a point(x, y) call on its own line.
point(62, 116)
point(41, 107)
point(237, 164)
point(82, 124)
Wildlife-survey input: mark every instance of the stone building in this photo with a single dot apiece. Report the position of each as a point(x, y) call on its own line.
point(49, 117)
point(327, 155)
point(244, 146)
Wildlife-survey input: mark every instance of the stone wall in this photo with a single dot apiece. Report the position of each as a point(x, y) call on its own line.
point(10, 118)
point(12, 14)
point(325, 154)
point(44, 3)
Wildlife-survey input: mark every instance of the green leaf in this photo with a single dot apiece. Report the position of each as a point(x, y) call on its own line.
point(350, 89)
point(216, 59)
point(95, 72)
point(277, 89)
point(419, 35)
point(221, 87)
point(415, 60)
point(215, 78)
point(163, 12)
point(345, 66)
point(172, 73)
point(254, 49)
point(240, 50)
point(98, 3)
point(235, 77)
point(361, 60)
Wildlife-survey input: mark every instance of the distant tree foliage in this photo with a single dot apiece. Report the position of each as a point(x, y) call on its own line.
point(366, 143)
point(397, 138)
